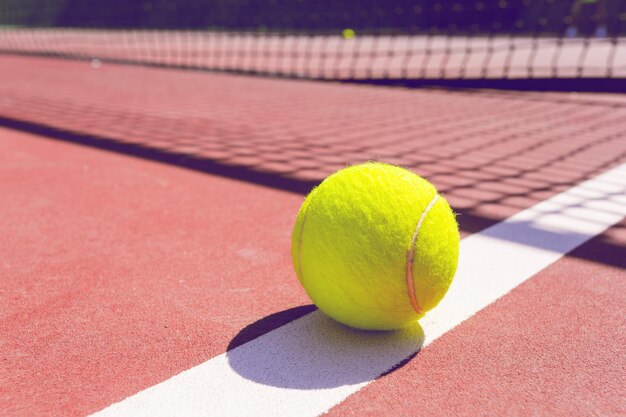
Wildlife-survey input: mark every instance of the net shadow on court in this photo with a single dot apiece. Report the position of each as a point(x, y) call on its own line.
point(491, 154)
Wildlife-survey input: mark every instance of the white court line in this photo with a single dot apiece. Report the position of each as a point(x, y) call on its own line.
point(311, 364)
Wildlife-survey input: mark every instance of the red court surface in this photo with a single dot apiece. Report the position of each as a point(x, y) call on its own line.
point(146, 220)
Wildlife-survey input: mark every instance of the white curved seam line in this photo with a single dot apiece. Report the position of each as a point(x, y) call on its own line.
point(411, 253)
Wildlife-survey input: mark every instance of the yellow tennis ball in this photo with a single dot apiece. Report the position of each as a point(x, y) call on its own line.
point(348, 33)
point(375, 246)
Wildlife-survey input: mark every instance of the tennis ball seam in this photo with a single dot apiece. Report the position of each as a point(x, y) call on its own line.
point(410, 254)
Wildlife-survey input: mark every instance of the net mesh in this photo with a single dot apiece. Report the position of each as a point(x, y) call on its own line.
point(369, 39)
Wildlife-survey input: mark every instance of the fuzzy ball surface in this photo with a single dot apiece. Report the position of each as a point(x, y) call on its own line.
point(375, 246)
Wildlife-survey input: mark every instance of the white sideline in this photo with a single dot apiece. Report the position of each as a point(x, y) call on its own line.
point(311, 364)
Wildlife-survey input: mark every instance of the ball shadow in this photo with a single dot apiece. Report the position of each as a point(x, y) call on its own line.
point(269, 323)
point(316, 352)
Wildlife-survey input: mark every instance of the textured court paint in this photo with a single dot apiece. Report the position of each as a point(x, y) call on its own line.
point(117, 273)
point(261, 378)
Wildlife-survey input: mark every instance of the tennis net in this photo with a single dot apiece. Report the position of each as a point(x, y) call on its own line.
point(325, 39)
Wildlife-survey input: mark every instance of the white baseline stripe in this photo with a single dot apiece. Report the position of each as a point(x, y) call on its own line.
point(311, 364)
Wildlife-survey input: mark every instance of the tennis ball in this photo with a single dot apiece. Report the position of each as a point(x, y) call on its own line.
point(348, 33)
point(375, 246)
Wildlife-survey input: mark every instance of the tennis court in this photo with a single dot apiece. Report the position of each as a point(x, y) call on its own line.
point(150, 179)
